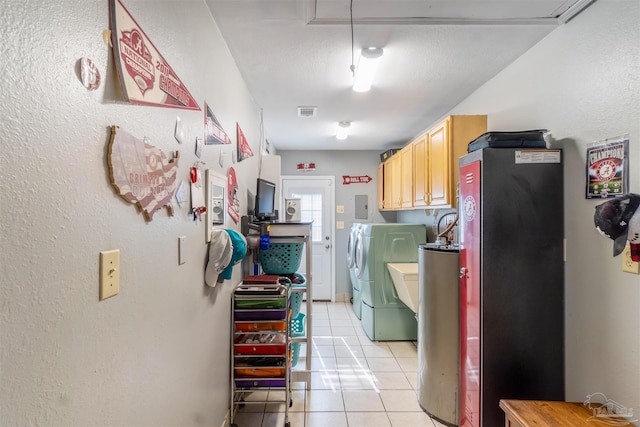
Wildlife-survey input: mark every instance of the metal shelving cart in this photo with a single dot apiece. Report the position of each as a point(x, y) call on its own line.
point(300, 232)
point(261, 347)
point(297, 233)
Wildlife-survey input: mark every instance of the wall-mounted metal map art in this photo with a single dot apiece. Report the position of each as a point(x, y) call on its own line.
point(141, 173)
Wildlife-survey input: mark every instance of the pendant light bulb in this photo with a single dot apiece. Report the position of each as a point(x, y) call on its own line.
point(343, 130)
point(367, 65)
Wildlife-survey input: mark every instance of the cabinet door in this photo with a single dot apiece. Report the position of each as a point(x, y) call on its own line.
point(439, 160)
point(420, 171)
point(388, 178)
point(396, 182)
point(406, 172)
point(381, 186)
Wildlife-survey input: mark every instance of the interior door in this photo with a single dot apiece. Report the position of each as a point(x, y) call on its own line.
point(316, 196)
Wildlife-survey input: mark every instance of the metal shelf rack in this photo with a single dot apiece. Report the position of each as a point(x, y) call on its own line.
point(260, 347)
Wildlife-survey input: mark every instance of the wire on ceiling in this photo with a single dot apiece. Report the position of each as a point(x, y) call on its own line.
point(353, 67)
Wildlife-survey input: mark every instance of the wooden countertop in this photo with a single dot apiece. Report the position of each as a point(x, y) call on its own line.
point(537, 413)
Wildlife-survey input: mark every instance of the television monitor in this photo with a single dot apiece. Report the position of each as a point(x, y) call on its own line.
point(265, 208)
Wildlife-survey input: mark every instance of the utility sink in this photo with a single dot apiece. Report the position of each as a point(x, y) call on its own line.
point(405, 279)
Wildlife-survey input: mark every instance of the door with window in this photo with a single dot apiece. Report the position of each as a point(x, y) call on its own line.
point(316, 196)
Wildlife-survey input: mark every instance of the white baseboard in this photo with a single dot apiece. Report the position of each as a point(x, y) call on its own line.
point(225, 422)
point(343, 297)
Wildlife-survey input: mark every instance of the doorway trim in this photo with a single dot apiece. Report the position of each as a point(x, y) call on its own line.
point(332, 220)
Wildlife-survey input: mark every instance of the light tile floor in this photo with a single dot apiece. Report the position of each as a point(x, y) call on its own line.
point(355, 382)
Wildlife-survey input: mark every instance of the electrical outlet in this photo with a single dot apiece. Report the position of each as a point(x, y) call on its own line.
point(627, 264)
point(109, 273)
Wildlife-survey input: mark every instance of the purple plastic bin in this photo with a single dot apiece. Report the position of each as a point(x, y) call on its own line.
point(261, 383)
point(276, 314)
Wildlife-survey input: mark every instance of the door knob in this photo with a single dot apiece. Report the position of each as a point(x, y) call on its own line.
point(463, 273)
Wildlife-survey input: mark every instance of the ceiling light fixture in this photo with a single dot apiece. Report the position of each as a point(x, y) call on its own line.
point(343, 130)
point(366, 70)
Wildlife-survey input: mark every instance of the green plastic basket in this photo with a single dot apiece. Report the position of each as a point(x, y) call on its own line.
point(281, 258)
point(297, 330)
point(295, 353)
point(296, 297)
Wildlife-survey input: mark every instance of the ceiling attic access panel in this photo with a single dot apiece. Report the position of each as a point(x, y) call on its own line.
point(426, 12)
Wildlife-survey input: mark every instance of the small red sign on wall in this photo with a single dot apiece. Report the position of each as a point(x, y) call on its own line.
point(362, 179)
point(306, 167)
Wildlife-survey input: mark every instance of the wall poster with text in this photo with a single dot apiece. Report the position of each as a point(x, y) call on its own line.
point(608, 168)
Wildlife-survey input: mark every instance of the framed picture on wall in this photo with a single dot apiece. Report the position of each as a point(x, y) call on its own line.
point(607, 168)
point(216, 190)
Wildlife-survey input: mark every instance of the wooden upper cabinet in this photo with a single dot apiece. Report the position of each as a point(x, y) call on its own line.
point(447, 142)
point(406, 176)
point(439, 165)
point(381, 186)
point(424, 174)
point(420, 171)
point(396, 182)
point(388, 177)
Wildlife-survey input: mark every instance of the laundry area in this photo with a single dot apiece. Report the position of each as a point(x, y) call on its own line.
point(311, 213)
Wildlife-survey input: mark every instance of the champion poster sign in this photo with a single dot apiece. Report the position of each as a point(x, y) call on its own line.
point(145, 76)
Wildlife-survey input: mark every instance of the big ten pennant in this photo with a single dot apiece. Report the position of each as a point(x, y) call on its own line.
point(145, 76)
point(361, 179)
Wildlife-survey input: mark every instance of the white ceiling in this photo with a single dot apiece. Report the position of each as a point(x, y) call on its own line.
point(295, 53)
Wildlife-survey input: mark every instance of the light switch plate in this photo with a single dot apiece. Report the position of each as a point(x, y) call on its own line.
point(340, 209)
point(627, 264)
point(109, 273)
point(339, 225)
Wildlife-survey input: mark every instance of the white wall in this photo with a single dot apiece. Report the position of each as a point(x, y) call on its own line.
point(582, 83)
point(157, 354)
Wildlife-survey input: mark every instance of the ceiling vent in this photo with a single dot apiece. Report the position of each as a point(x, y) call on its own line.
point(307, 111)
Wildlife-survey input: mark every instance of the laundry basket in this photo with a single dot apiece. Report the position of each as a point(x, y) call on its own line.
point(281, 258)
point(297, 281)
point(297, 330)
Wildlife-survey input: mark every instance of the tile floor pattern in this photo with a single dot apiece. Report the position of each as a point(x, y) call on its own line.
point(355, 382)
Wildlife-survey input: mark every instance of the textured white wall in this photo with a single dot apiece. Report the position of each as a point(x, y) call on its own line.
point(583, 83)
point(158, 353)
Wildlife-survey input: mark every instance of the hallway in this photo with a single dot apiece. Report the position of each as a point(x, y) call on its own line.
point(355, 382)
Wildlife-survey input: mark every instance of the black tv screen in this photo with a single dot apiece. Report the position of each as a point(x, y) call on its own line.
point(265, 200)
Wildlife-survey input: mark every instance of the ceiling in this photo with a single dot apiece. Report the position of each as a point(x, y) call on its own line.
point(295, 53)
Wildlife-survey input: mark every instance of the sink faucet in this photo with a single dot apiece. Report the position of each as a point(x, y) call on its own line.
point(442, 237)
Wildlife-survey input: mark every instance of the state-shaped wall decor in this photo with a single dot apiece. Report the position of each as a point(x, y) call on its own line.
point(141, 173)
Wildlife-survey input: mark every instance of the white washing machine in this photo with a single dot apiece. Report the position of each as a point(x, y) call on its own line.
point(351, 265)
point(384, 316)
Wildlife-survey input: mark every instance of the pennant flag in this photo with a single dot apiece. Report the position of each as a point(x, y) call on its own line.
point(145, 76)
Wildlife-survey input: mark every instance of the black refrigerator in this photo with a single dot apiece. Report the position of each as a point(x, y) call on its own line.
point(511, 280)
